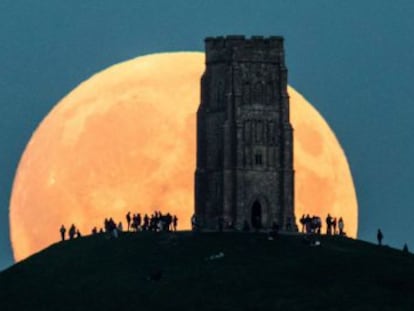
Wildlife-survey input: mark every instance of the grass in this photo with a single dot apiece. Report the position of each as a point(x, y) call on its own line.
point(96, 273)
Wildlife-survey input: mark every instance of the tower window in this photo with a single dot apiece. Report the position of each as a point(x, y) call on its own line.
point(258, 159)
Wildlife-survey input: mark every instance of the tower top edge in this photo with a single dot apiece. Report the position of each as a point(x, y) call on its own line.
point(239, 41)
point(242, 38)
point(242, 49)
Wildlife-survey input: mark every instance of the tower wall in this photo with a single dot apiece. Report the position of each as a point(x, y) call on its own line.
point(244, 137)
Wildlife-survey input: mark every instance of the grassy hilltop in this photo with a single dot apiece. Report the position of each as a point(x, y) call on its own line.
point(96, 273)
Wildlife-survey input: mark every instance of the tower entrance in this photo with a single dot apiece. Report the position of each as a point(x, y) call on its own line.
point(256, 215)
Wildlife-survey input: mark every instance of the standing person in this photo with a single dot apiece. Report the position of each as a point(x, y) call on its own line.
point(175, 222)
point(72, 231)
point(334, 225)
point(341, 226)
point(62, 232)
point(308, 223)
point(139, 220)
point(380, 236)
point(128, 219)
point(302, 222)
point(405, 248)
point(146, 222)
point(329, 225)
point(194, 224)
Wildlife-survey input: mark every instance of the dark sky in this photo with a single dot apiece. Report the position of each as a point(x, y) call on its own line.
point(353, 60)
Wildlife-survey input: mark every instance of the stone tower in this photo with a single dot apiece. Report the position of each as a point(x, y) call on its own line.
point(244, 137)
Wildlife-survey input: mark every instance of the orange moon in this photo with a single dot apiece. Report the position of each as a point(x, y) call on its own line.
point(124, 140)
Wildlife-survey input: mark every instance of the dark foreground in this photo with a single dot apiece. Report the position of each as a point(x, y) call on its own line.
point(95, 273)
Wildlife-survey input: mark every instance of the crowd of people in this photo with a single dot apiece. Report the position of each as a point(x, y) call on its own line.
point(72, 232)
point(156, 222)
point(314, 225)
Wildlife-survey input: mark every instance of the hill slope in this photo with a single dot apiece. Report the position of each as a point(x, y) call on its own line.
point(97, 273)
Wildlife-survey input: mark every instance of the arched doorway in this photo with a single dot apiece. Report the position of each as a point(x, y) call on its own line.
point(256, 216)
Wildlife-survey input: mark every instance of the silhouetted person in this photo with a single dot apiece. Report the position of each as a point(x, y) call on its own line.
point(341, 226)
point(72, 232)
point(128, 219)
point(316, 224)
point(146, 222)
point(194, 222)
point(329, 225)
point(308, 224)
point(302, 222)
point(139, 220)
point(134, 224)
point(167, 222)
point(175, 222)
point(78, 234)
point(120, 227)
point(405, 248)
point(62, 232)
point(94, 231)
point(112, 228)
point(106, 224)
point(334, 225)
point(380, 236)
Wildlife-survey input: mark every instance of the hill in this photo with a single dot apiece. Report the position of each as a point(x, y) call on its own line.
point(186, 271)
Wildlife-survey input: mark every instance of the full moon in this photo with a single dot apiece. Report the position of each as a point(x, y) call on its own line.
point(124, 140)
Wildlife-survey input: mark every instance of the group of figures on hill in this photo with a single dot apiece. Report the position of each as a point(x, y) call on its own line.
point(72, 233)
point(313, 224)
point(156, 222)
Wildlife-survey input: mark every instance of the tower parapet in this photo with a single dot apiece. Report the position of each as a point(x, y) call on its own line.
point(242, 49)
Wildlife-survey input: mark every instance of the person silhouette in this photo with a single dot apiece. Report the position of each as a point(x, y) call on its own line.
point(302, 222)
point(194, 223)
point(405, 248)
point(341, 226)
point(128, 219)
point(72, 232)
point(329, 225)
point(380, 236)
point(62, 232)
point(175, 222)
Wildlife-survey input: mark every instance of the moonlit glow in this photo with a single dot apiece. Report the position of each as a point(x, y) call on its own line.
point(124, 140)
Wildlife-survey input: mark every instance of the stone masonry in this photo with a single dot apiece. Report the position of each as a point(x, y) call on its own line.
point(244, 170)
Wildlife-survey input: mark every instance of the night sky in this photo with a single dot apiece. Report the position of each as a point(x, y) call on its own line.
point(353, 60)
